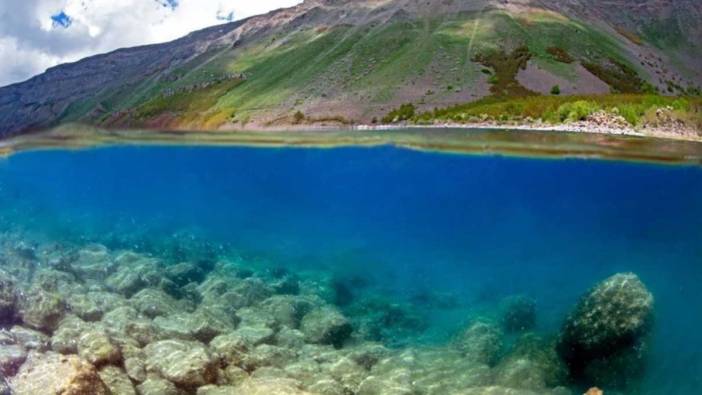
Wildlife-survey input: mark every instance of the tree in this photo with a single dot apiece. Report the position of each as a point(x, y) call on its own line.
point(298, 117)
point(556, 90)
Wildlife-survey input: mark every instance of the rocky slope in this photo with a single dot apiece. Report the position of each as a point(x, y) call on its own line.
point(352, 61)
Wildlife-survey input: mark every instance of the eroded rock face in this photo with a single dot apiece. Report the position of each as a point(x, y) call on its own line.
point(185, 363)
point(326, 325)
point(53, 373)
point(608, 326)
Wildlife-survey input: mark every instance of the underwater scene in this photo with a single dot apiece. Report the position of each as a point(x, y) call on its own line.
point(159, 270)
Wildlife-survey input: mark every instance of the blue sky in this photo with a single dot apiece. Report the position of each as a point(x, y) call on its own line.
point(37, 34)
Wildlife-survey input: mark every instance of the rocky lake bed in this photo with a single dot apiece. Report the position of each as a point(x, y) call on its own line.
point(83, 319)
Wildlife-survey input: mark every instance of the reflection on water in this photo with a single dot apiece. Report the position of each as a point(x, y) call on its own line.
point(353, 270)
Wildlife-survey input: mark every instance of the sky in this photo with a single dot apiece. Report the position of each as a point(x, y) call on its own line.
point(38, 34)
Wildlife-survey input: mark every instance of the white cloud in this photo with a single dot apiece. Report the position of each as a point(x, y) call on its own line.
point(30, 41)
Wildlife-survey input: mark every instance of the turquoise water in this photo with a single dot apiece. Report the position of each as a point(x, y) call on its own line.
point(410, 227)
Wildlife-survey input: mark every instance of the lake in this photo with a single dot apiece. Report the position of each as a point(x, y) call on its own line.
point(408, 247)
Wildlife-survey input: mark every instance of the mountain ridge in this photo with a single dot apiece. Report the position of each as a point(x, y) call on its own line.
point(353, 61)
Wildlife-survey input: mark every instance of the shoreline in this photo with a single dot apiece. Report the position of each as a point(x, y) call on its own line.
point(520, 140)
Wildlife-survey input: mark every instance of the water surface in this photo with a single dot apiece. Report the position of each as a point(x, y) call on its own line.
point(408, 223)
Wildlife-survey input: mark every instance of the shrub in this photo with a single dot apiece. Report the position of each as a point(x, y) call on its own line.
point(403, 113)
point(556, 90)
point(577, 111)
point(298, 117)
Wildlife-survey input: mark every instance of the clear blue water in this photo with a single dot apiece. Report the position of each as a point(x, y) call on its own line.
point(479, 228)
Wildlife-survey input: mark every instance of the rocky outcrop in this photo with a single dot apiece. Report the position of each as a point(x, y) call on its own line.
point(604, 338)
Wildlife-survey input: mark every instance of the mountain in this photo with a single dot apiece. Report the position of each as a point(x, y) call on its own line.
point(355, 60)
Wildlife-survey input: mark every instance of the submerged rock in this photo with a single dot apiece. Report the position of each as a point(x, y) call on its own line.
point(96, 347)
point(158, 386)
point(481, 342)
point(153, 303)
point(117, 381)
point(135, 272)
point(57, 374)
point(42, 310)
point(187, 364)
point(326, 325)
point(93, 262)
point(30, 339)
point(604, 338)
point(12, 356)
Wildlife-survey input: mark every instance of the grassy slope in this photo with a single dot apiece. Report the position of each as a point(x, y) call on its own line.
point(368, 64)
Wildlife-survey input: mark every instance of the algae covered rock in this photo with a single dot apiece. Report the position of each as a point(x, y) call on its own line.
point(135, 272)
point(481, 342)
point(607, 330)
point(53, 373)
point(117, 381)
point(96, 347)
point(93, 262)
point(42, 310)
point(158, 386)
point(188, 364)
point(203, 325)
point(30, 339)
point(532, 364)
point(326, 325)
point(153, 303)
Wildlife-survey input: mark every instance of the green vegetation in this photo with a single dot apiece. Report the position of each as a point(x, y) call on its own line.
point(506, 67)
point(622, 78)
point(197, 104)
point(556, 90)
point(636, 109)
point(404, 113)
point(298, 117)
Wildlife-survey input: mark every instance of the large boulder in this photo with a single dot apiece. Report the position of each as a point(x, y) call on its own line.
point(326, 325)
point(605, 336)
point(53, 373)
point(187, 364)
